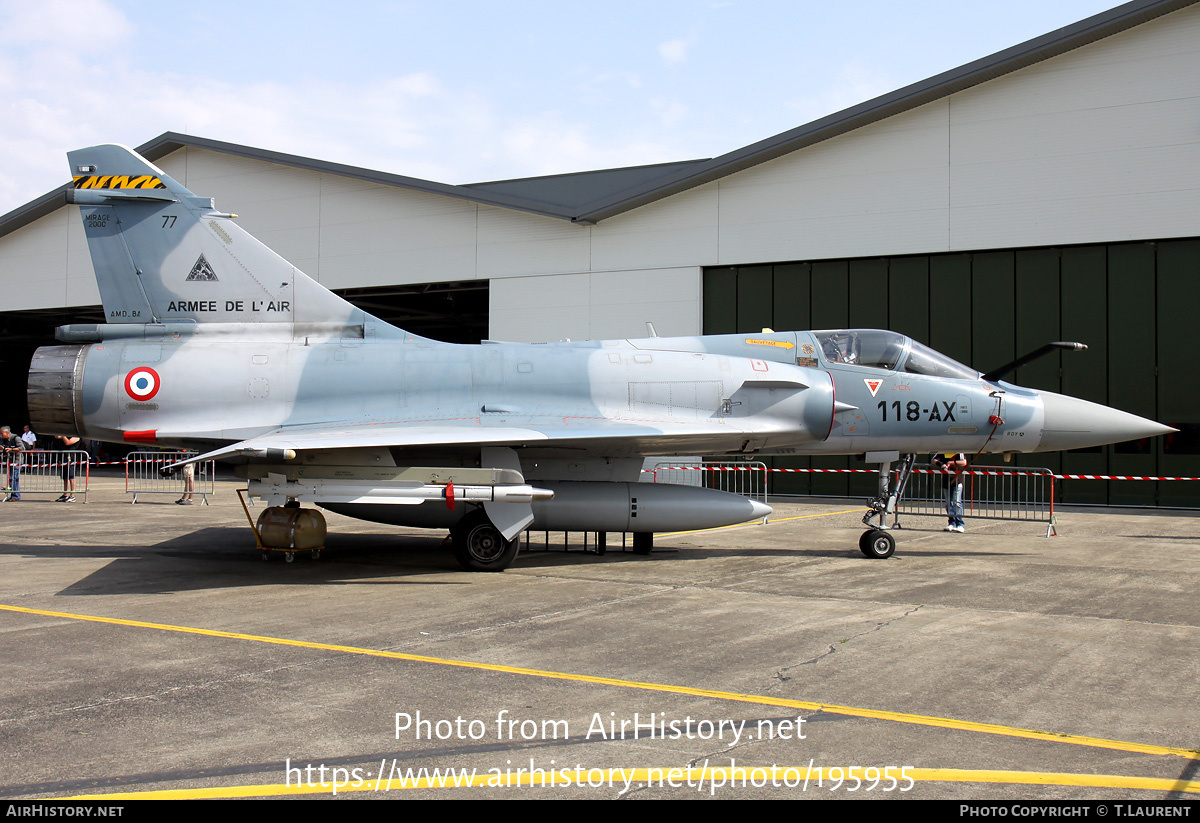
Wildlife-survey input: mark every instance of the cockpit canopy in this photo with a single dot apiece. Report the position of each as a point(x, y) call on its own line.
point(877, 349)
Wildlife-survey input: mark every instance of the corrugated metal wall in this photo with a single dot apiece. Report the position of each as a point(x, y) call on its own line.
point(1136, 305)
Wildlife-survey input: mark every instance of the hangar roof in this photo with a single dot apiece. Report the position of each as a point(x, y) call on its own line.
point(589, 197)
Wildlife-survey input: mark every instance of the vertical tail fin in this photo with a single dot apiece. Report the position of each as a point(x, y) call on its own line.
point(162, 254)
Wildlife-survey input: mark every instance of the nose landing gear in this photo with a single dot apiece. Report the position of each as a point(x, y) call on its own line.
point(876, 543)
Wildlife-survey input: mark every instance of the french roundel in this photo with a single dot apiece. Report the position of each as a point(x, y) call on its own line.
point(142, 383)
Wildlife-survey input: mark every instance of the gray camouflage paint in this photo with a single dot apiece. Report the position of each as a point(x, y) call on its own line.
point(212, 340)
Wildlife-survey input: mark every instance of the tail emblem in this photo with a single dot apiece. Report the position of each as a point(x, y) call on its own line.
point(202, 271)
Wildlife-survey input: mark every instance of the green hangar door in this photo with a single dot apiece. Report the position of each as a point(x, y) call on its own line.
point(1134, 304)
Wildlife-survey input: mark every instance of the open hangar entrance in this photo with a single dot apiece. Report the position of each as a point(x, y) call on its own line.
point(23, 332)
point(451, 312)
point(1133, 304)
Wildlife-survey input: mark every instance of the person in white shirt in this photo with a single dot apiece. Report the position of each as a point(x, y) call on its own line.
point(30, 438)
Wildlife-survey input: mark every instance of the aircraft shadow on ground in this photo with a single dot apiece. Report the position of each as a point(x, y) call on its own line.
point(221, 558)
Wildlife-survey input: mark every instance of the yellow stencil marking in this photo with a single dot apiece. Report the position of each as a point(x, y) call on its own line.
point(782, 344)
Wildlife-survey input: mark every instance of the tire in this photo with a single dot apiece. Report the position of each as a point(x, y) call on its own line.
point(877, 544)
point(480, 547)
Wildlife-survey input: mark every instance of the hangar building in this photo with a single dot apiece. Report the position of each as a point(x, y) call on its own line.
point(1050, 191)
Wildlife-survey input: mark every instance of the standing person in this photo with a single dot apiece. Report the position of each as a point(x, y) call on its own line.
point(189, 484)
point(63, 443)
point(12, 446)
point(952, 483)
point(30, 438)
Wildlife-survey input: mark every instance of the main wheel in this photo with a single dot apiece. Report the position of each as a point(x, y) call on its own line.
point(480, 547)
point(877, 544)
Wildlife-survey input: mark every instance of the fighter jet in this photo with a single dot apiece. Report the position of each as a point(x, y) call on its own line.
point(214, 342)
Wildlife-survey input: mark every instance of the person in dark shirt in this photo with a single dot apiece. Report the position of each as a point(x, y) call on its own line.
point(12, 447)
point(952, 483)
point(64, 443)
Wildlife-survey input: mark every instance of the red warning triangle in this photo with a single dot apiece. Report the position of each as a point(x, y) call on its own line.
point(872, 384)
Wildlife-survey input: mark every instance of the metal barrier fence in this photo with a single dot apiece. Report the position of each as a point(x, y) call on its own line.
point(37, 471)
point(142, 475)
point(989, 492)
point(747, 478)
point(592, 542)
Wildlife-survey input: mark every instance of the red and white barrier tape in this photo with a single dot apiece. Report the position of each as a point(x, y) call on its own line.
point(973, 472)
point(1115, 477)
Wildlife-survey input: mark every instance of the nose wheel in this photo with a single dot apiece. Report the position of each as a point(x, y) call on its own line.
point(876, 544)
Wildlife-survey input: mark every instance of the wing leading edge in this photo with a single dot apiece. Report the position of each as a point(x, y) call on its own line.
point(594, 434)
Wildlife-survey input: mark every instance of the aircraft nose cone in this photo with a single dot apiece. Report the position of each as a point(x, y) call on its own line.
point(1072, 423)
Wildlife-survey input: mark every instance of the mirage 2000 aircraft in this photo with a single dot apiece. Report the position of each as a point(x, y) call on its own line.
point(212, 340)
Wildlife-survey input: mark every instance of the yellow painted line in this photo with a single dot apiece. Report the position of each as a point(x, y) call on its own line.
point(710, 780)
point(806, 516)
point(808, 705)
point(1103, 781)
point(768, 523)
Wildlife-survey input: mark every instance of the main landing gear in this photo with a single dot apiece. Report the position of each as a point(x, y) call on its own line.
point(877, 543)
point(480, 547)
